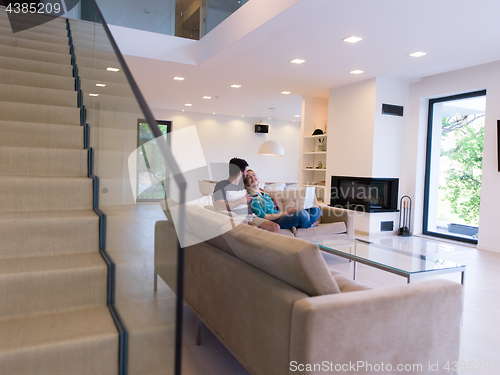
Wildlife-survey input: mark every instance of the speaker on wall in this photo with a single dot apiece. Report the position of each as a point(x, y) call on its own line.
point(395, 110)
point(261, 128)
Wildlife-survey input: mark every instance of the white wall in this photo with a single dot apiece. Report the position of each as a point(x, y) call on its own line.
point(363, 142)
point(388, 136)
point(225, 137)
point(487, 77)
point(350, 130)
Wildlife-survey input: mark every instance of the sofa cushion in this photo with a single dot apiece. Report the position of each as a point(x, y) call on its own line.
point(347, 285)
point(209, 225)
point(202, 225)
point(296, 262)
point(291, 198)
point(287, 233)
point(322, 230)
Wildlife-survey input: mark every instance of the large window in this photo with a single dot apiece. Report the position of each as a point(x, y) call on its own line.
point(150, 164)
point(453, 169)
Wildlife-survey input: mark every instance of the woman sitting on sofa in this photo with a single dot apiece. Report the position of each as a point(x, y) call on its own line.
point(265, 207)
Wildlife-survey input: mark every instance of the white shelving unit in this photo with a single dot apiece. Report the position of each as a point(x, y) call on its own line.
point(311, 158)
point(313, 148)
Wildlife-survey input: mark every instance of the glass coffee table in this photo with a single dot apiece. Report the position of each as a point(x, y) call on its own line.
point(403, 263)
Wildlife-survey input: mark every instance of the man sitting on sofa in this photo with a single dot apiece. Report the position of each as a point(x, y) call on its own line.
point(231, 195)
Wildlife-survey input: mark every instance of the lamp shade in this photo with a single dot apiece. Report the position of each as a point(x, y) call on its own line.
point(271, 148)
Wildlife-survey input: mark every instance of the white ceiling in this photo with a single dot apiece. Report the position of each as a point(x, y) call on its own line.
point(454, 33)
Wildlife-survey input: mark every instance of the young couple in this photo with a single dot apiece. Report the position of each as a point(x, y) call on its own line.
point(241, 194)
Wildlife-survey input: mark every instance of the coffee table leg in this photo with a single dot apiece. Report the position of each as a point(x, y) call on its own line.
point(354, 272)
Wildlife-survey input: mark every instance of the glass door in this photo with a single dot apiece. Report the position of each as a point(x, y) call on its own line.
point(454, 163)
point(150, 182)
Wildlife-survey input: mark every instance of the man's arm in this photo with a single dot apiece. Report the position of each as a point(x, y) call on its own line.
point(221, 205)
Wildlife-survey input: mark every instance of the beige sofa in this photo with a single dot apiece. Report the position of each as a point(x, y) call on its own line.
point(273, 302)
point(334, 223)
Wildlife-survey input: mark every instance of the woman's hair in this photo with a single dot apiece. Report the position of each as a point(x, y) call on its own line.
point(250, 190)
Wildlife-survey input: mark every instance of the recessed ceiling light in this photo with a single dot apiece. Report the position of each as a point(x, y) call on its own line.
point(417, 54)
point(242, 115)
point(356, 71)
point(100, 85)
point(296, 115)
point(188, 105)
point(112, 69)
point(93, 94)
point(178, 78)
point(236, 86)
point(297, 61)
point(213, 113)
point(207, 97)
point(286, 92)
point(182, 110)
point(352, 39)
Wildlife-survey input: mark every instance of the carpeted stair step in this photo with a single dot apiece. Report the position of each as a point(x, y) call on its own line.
point(28, 161)
point(11, 40)
point(24, 194)
point(33, 22)
point(28, 17)
point(23, 134)
point(48, 29)
point(29, 79)
point(60, 37)
point(74, 280)
point(38, 95)
point(39, 233)
point(35, 54)
point(26, 112)
point(23, 65)
point(80, 342)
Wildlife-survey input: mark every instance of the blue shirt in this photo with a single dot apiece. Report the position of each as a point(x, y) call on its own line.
point(266, 207)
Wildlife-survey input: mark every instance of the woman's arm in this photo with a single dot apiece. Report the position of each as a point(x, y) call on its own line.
point(260, 211)
point(276, 203)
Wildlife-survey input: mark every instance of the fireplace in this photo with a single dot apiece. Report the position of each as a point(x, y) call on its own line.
point(365, 194)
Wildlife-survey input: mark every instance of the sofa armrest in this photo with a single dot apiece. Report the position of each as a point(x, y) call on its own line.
point(333, 215)
point(409, 324)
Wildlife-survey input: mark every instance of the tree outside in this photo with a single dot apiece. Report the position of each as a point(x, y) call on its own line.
point(461, 165)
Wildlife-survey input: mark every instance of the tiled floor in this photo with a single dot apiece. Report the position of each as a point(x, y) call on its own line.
point(150, 316)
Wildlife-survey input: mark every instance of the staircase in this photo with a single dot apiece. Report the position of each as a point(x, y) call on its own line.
point(54, 317)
